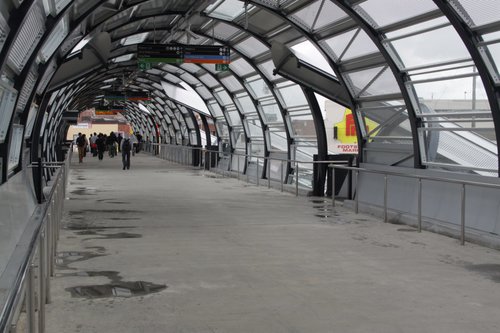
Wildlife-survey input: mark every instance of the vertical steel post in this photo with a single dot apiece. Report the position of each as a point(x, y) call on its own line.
point(42, 279)
point(385, 198)
point(30, 298)
point(462, 217)
point(296, 179)
point(420, 205)
point(333, 186)
point(238, 175)
point(356, 201)
point(268, 173)
point(282, 178)
point(247, 164)
point(257, 173)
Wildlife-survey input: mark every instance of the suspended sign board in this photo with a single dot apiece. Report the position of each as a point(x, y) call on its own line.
point(179, 54)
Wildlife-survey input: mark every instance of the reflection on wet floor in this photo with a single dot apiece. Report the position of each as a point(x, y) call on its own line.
point(117, 289)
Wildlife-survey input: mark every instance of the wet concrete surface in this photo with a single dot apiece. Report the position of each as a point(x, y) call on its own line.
point(218, 255)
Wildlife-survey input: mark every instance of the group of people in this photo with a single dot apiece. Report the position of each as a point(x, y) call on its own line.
point(98, 144)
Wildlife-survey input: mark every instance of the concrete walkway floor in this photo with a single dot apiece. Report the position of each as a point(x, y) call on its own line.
point(162, 248)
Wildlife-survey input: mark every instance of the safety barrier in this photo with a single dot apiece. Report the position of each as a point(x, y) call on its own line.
point(291, 174)
point(419, 178)
point(32, 264)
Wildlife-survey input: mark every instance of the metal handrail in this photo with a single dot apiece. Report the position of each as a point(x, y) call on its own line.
point(45, 222)
point(184, 159)
point(463, 184)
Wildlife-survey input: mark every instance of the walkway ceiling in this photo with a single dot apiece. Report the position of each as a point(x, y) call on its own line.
point(399, 70)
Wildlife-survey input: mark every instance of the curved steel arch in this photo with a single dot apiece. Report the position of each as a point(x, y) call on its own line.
point(470, 40)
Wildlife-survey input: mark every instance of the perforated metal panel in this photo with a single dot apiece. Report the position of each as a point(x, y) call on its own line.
point(28, 86)
point(4, 31)
point(56, 37)
point(8, 97)
point(29, 36)
point(51, 69)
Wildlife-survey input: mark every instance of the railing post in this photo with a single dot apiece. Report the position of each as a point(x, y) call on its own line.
point(462, 217)
point(42, 278)
point(282, 179)
point(30, 298)
point(238, 175)
point(296, 179)
point(247, 163)
point(333, 186)
point(257, 173)
point(420, 205)
point(356, 201)
point(201, 158)
point(385, 198)
point(268, 173)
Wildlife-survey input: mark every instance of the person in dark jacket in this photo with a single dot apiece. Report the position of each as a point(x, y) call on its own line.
point(101, 146)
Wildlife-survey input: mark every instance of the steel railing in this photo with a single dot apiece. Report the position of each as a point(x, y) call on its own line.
point(419, 178)
point(37, 251)
point(184, 155)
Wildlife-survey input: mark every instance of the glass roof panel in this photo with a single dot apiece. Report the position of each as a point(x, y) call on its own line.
point(192, 68)
point(209, 80)
point(399, 10)
point(267, 68)
point(231, 83)
point(204, 92)
point(241, 67)
point(362, 45)
point(186, 96)
point(251, 47)
point(373, 81)
point(495, 55)
point(259, 88)
point(329, 14)
point(223, 31)
point(223, 97)
point(343, 46)
point(307, 52)
point(421, 49)
point(292, 96)
point(189, 78)
point(481, 12)
point(307, 15)
point(226, 10)
point(246, 104)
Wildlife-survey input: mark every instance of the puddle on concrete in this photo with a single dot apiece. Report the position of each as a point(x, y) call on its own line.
point(81, 192)
point(64, 259)
point(491, 271)
point(407, 230)
point(118, 235)
point(320, 201)
point(113, 201)
point(323, 215)
point(118, 289)
point(105, 211)
point(97, 228)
